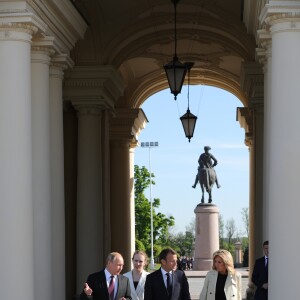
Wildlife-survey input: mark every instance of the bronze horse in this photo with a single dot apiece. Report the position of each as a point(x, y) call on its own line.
point(207, 178)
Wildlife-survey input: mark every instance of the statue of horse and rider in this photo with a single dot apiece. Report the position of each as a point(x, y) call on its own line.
point(206, 175)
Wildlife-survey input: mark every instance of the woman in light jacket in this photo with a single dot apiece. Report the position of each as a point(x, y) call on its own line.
point(222, 282)
point(137, 276)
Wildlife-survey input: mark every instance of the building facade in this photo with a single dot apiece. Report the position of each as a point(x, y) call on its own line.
point(73, 76)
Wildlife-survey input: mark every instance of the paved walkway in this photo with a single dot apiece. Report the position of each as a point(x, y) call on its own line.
point(196, 281)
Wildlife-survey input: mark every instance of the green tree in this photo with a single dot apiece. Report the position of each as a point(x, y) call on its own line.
point(161, 222)
point(183, 243)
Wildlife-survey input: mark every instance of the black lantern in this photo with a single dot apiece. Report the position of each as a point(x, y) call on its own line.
point(175, 70)
point(188, 120)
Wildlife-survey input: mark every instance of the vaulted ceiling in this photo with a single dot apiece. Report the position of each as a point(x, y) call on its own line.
point(137, 38)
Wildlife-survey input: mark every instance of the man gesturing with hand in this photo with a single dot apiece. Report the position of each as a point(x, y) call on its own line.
point(108, 284)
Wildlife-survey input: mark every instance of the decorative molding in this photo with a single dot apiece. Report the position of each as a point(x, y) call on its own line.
point(90, 101)
point(276, 11)
point(20, 12)
point(252, 82)
point(93, 84)
point(17, 31)
point(245, 118)
point(62, 61)
point(63, 22)
point(57, 18)
point(127, 124)
point(88, 109)
point(58, 64)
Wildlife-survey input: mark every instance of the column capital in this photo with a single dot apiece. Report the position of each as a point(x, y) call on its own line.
point(67, 27)
point(252, 82)
point(100, 84)
point(280, 11)
point(58, 64)
point(18, 15)
point(264, 50)
point(127, 125)
point(43, 45)
point(245, 118)
point(41, 54)
point(62, 61)
point(16, 31)
point(88, 109)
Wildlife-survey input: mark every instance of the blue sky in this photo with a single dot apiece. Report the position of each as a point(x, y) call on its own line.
point(174, 163)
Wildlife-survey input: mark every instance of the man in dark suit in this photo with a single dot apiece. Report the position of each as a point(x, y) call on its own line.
point(108, 284)
point(167, 283)
point(260, 274)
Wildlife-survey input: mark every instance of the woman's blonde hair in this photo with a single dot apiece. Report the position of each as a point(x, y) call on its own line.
point(227, 260)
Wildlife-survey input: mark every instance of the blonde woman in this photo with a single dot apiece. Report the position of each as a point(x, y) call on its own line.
point(222, 282)
point(137, 276)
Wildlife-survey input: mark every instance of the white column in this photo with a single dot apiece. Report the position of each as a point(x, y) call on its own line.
point(89, 188)
point(267, 143)
point(16, 228)
point(41, 173)
point(132, 202)
point(57, 180)
point(284, 164)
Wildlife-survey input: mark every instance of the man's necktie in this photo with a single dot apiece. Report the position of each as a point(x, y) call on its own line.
point(169, 285)
point(111, 288)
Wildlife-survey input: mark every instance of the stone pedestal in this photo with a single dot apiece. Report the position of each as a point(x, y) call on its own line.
point(238, 255)
point(207, 235)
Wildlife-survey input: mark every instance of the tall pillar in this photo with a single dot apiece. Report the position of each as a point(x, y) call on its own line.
point(120, 208)
point(252, 120)
point(16, 227)
point(282, 129)
point(284, 165)
point(267, 144)
point(58, 63)
point(70, 187)
point(106, 116)
point(132, 200)
point(41, 173)
point(245, 118)
point(93, 92)
point(264, 56)
point(89, 186)
point(125, 129)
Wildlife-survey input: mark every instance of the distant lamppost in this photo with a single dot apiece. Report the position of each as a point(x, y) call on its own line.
point(150, 145)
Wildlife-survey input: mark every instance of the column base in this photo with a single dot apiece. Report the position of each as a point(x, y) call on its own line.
point(202, 264)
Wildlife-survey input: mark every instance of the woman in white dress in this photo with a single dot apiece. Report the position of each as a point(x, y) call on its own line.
point(137, 276)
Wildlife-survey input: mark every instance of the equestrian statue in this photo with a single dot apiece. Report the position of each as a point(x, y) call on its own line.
point(206, 175)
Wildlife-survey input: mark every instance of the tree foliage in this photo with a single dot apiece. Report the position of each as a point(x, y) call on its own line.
point(161, 222)
point(183, 243)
